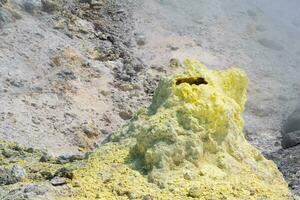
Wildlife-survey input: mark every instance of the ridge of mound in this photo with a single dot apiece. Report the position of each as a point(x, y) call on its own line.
point(188, 144)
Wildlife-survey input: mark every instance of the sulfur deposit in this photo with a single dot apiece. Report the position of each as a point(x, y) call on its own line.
point(188, 144)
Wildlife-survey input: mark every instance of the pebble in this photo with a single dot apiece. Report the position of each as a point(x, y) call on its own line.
point(35, 189)
point(5, 17)
point(45, 158)
point(141, 40)
point(47, 175)
point(106, 177)
point(66, 74)
point(77, 157)
point(125, 115)
point(174, 63)
point(173, 48)
point(18, 172)
point(11, 176)
point(31, 5)
point(57, 181)
point(64, 172)
point(29, 150)
point(7, 153)
point(148, 197)
point(49, 6)
point(195, 192)
point(90, 132)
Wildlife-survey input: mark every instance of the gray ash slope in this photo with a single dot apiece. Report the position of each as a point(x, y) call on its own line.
point(67, 77)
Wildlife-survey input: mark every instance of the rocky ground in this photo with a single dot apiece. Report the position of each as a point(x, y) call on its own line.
point(67, 80)
point(73, 72)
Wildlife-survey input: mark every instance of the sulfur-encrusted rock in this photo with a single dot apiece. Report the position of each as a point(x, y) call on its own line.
point(188, 144)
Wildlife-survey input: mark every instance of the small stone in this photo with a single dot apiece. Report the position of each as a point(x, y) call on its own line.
point(6, 177)
point(15, 83)
point(106, 177)
point(104, 132)
point(174, 63)
point(45, 158)
point(252, 192)
point(57, 181)
point(66, 74)
point(195, 192)
point(38, 190)
point(3, 2)
point(111, 39)
point(105, 93)
point(76, 157)
point(36, 120)
point(85, 1)
point(7, 153)
point(30, 6)
point(95, 3)
point(76, 184)
point(125, 87)
point(5, 17)
point(64, 172)
point(141, 40)
point(47, 175)
point(187, 176)
point(69, 158)
point(172, 48)
point(131, 195)
point(60, 24)
point(49, 6)
point(18, 172)
point(125, 115)
point(29, 150)
point(90, 132)
point(18, 148)
point(148, 197)
point(65, 156)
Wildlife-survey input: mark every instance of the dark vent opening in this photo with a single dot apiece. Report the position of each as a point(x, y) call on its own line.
point(191, 81)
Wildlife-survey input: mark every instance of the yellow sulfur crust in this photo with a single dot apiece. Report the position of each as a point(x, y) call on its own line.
point(188, 144)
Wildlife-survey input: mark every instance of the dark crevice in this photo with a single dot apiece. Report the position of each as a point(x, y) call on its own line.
point(191, 81)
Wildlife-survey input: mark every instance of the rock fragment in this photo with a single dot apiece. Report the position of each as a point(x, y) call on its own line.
point(174, 63)
point(11, 176)
point(291, 130)
point(57, 181)
point(195, 192)
point(49, 6)
point(45, 158)
point(31, 6)
point(291, 139)
point(148, 197)
point(125, 115)
point(64, 172)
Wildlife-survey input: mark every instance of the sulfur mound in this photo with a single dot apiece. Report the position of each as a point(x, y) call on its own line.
point(188, 144)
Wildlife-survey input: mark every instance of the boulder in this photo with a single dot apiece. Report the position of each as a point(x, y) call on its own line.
point(291, 130)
